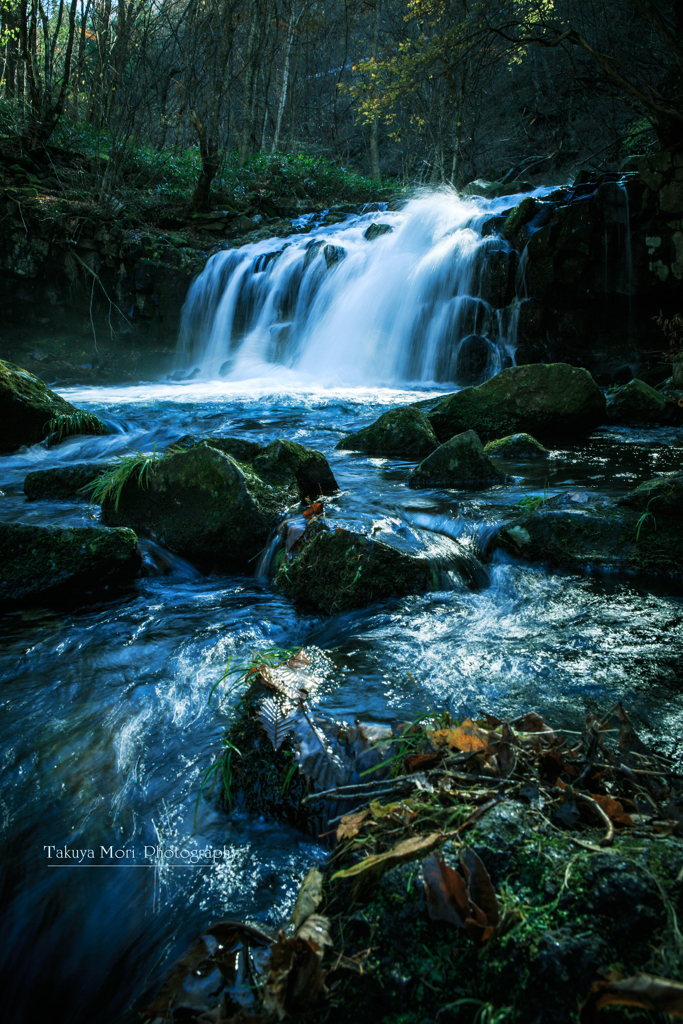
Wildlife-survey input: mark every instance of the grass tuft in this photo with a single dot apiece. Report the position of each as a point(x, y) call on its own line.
point(130, 468)
point(70, 424)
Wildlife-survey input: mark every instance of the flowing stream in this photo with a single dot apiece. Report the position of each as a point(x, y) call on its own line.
point(107, 725)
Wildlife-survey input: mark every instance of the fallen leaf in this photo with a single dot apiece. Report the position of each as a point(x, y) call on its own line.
point(403, 851)
point(316, 509)
point(416, 762)
point(309, 898)
point(645, 991)
point(481, 890)
point(295, 980)
point(350, 825)
point(446, 892)
point(468, 738)
point(614, 809)
point(315, 930)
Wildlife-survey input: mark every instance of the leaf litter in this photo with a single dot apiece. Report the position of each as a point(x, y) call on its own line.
point(415, 788)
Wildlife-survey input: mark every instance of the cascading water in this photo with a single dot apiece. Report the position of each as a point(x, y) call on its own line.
point(431, 300)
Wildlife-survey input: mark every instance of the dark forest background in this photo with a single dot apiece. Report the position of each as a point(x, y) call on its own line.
point(177, 94)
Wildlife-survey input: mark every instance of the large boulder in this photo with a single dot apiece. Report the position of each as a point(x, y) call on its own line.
point(475, 355)
point(635, 534)
point(637, 403)
point(554, 401)
point(335, 571)
point(405, 432)
point(212, 509)
point(460, 462)
point(29, 411)
point(63, 482)
point(516, 446)
point(37, 560)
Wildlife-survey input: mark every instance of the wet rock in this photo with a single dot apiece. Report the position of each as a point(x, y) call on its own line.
point(333, 254)
point(629, 535)
point(241, 449)
point(375, 230)
point(516, 446)
point(212, 509)
point(554, 401)
point(460, 462)
point(63, 482)
point(474, 357)
point(26, 407)
point(518, 218)
point(282, 460)
point(403, 432)
point(638, 403)
point(39, 560)
point(336, 571)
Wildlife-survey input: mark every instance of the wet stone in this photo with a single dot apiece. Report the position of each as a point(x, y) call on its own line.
point(516, 446)
point(460, 462)
point(405, 432)
point(637, 403)
point(63, 482)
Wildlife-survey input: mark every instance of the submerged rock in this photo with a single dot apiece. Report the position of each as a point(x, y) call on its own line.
point(639, 533)
point(403, 432)
point(208, 507)
point(548, 401)
point(335, 571)
point(39, 559)
point(637, 403)
point(460, 462)
point(516, 446)
point(63, 482)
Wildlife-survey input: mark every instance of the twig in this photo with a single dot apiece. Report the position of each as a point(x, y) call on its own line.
point(608, 838)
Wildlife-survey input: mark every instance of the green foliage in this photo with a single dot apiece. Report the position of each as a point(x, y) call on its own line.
point(530, 504)
point(70, 424)
point(241, 675)
point(645, 516)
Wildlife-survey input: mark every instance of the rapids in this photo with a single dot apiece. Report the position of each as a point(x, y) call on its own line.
point(107, 725)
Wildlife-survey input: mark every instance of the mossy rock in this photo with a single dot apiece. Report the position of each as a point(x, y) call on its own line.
point(583, 912)
point(39, 560)
point(637, 403)
point(405, 432)
point(662, 496)
point(518, 218)
point(608, 536)
point(63, 482)
point(204, 505)
point(552, 401)
point(214, 510)
point(516, 446)
point(26, 407)
point(335, 571)
point(281, 460)
point(460, 462)
point(240, 448)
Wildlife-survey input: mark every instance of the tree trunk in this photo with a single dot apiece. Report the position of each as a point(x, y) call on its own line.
point(374, 125)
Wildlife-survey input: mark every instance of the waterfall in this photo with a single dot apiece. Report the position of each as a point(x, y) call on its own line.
point(429, 297)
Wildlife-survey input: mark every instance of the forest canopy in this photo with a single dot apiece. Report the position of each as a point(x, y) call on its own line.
point(417, 90)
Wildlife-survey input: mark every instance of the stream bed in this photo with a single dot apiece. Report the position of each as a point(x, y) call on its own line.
point(107, 722)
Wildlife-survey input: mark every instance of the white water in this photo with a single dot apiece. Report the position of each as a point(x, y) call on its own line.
point(394, 310)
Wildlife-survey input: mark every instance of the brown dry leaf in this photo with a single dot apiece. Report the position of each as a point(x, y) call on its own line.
point(642, 990)
point(614, 809)
point(417, 762)
point(403, 851)
point(316, 509)
point(350, 825)
point(295, 980)
point(316, 931)
point(446, 892)
point(482, 893)
point(468, 738)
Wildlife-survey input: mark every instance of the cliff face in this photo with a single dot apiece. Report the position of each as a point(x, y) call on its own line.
point(598, 262)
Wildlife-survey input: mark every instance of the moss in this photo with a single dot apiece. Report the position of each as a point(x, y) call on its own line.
point(516, 446)
point(281, 461)
point(333, 572)
point(637, 403)
point(26, 407)
point(550, 402)
point(39, 559)
point(63, 481)
point(403, 432)
point(460, 462)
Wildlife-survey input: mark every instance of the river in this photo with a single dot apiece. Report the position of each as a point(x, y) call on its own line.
point(107, 723)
